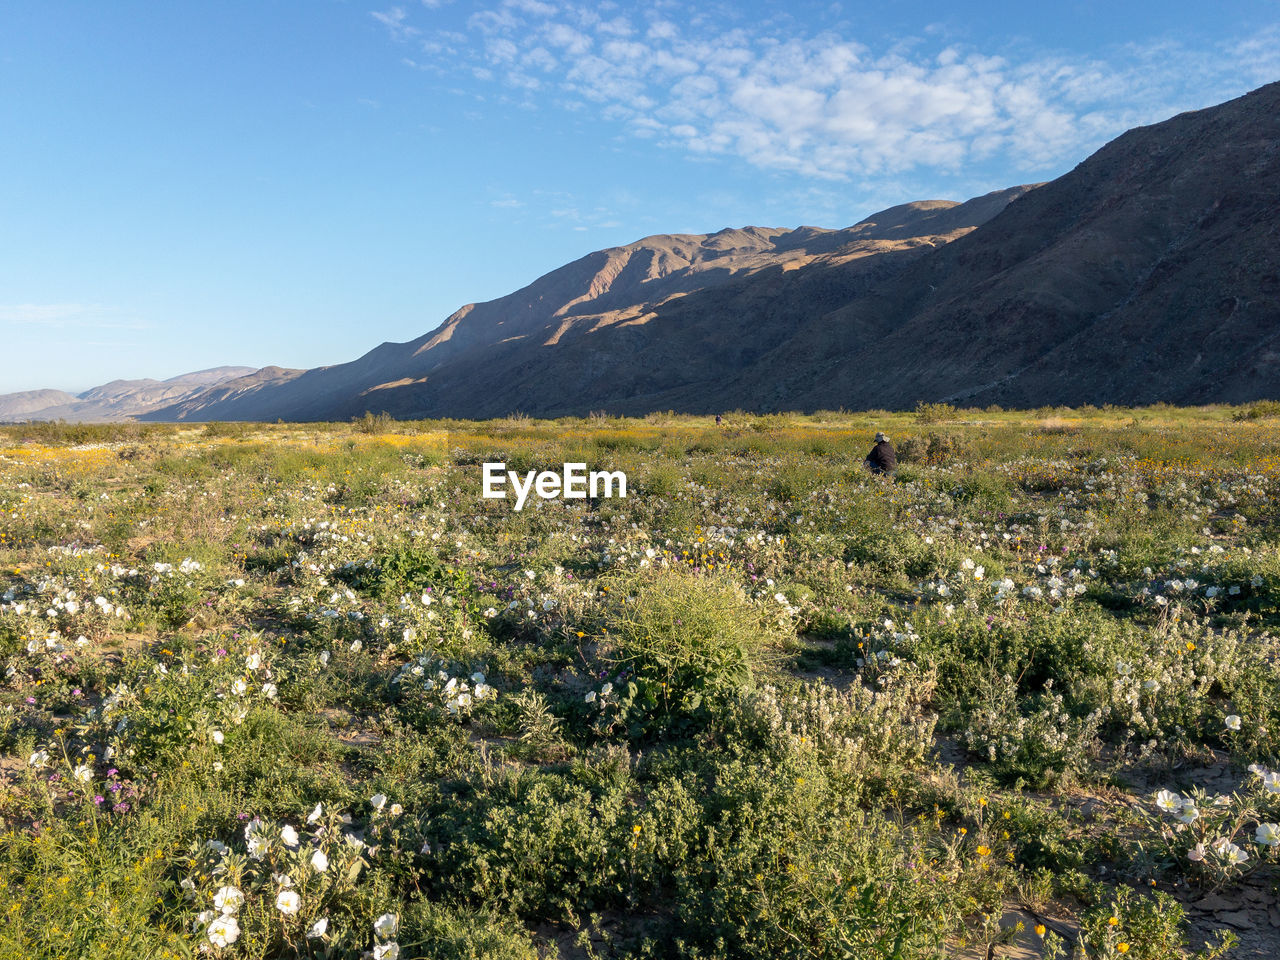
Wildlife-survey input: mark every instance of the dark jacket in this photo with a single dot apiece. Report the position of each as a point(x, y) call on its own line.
point(882, 458)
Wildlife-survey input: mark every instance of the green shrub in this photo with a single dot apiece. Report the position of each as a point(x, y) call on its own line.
point(541, 846)
point(379, 422)
point(934, 412)
point(433, 930)
point(1257, 411)
point(689, 640)
point(931, 448)
point(1150, 926)
point(870, 738)
point(784, 866)
point(984, 491)
point(235, 430)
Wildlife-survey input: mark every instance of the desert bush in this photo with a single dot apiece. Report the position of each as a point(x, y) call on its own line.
point(233, 430)
point(1257, 411)
point(1124, 922)
point(661, 480)
point(866, 736)
point(445, 933)
point(985, 491)
point(60, 432)
point(541, 846)
point(1032, 739)
point(783, 865)
point(1057, 427)
point(379, 422)
point(686, 641)
point(931, 448)
point(934, 412)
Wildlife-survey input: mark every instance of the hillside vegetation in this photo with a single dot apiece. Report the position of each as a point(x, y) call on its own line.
point(299, 691)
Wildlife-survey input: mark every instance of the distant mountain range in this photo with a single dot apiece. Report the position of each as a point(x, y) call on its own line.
point(1150, 272)
point(119, 399)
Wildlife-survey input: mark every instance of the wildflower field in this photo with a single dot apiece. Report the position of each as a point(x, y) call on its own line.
point(299, 691)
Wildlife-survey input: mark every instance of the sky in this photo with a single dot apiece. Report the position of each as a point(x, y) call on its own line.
point(185, 185)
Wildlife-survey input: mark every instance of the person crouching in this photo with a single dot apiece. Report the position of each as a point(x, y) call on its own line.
point(882, 458)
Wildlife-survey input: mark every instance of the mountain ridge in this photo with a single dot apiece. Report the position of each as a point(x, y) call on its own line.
point(114, 400)
point(612, 288)
point(1149, 272)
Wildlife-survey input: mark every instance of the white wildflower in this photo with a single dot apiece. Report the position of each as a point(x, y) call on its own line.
point(228, 899)
point(224, 931)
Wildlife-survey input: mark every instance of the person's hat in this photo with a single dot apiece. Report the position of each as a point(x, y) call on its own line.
point(880, 437)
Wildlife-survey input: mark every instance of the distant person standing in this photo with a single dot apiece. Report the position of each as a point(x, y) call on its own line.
point(719, 421)
point(882, 458)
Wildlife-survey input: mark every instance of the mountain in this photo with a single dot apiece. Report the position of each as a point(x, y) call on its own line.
point(19, 406)
point(1150, 272)
point(488, 359)
point(117, 400)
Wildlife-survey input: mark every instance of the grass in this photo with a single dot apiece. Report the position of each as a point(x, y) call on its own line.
point(768, 705)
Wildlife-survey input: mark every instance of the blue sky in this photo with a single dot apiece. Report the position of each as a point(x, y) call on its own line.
point(185, 185)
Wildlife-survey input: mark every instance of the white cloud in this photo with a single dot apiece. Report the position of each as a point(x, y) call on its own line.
point(1259, 54)
point(533, 7)
point(827, 106)
point(564, 37)
point(539, 58)
point(617, 27)
point(394, 20)
point(490, 22)
point(501, 50)
point(662, 30)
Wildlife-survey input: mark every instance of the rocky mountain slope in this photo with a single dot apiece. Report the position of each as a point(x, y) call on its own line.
point(20, 406)
point(1150, 272)
point(117, 400)
point(490, 358)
